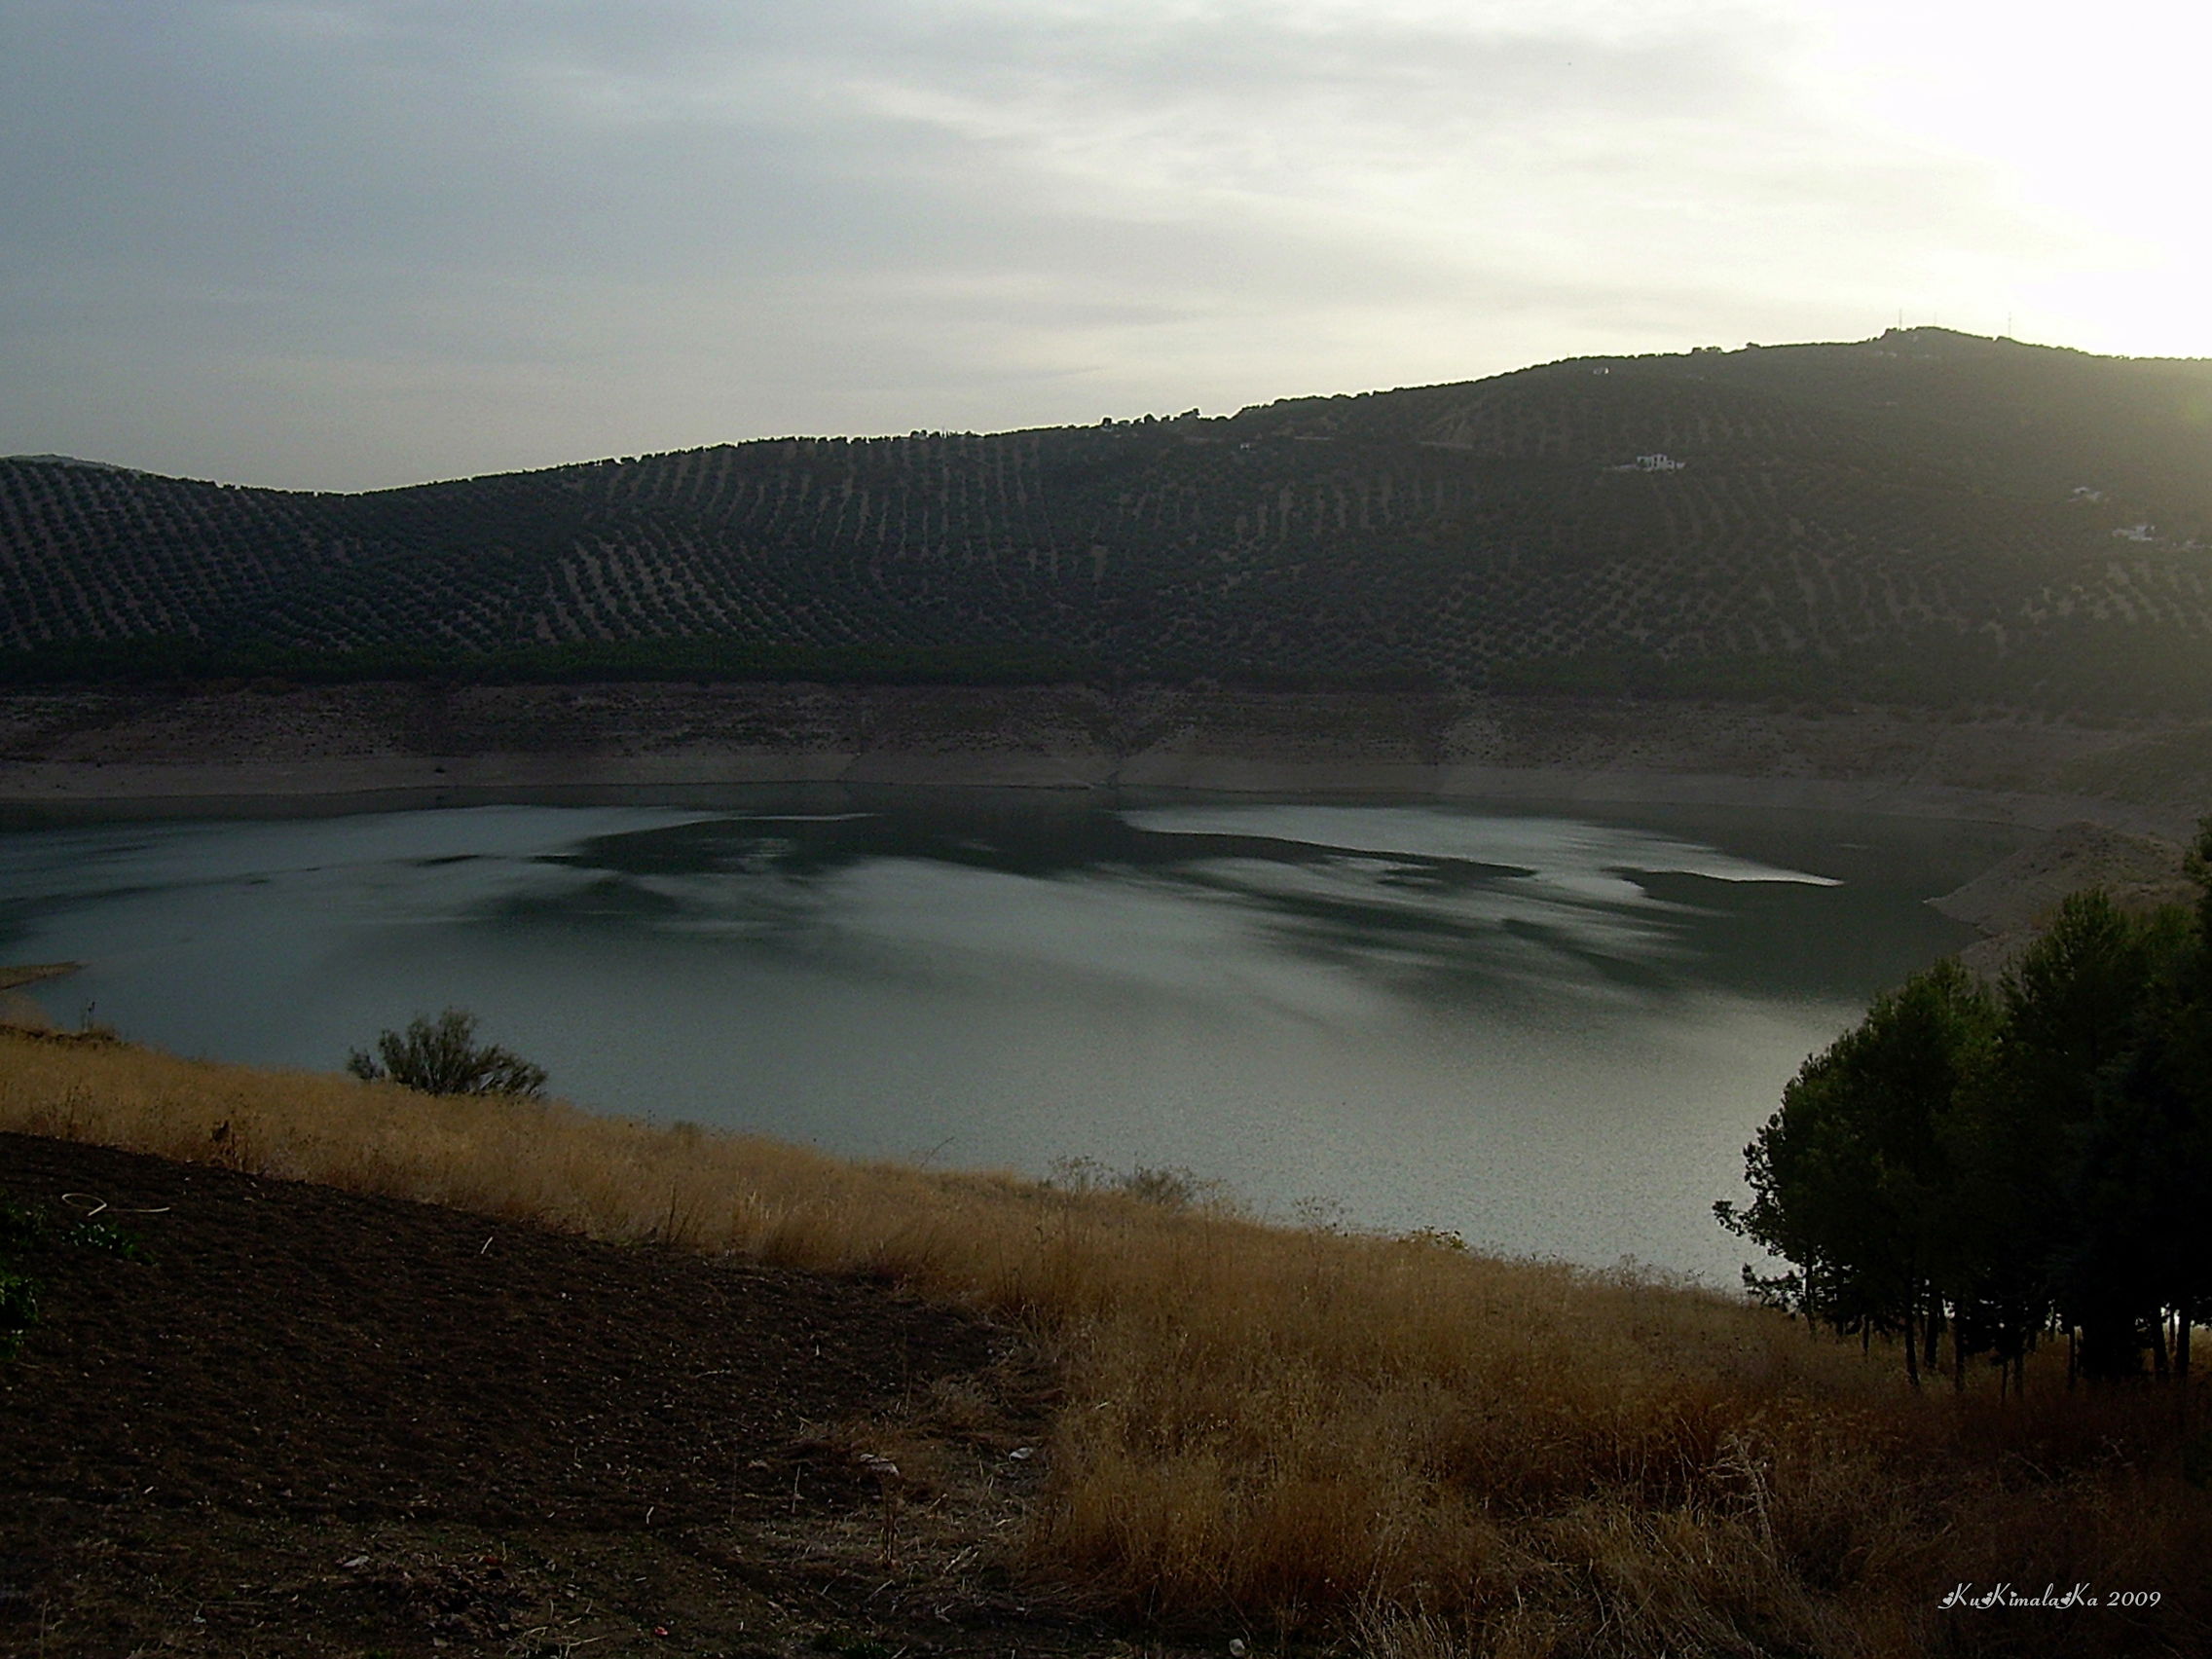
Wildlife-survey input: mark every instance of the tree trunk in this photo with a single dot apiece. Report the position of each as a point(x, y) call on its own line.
point(2112, 1346)
point(2187, 1315)
point(1911, 1352)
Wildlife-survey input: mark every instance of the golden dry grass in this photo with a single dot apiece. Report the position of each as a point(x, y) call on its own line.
point(1400, 1448)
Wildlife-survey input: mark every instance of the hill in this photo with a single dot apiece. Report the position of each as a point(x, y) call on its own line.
point(1925, 516)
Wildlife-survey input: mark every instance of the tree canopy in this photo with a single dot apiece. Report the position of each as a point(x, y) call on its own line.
point(2002, 1162)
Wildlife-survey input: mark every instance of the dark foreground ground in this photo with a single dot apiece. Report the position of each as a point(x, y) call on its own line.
point(309, 1422)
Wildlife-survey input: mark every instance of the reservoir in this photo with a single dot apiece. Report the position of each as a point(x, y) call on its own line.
point(1550, 1030)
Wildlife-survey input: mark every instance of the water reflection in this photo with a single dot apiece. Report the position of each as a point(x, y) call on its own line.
point(1430, 902)
point(1551, 1031)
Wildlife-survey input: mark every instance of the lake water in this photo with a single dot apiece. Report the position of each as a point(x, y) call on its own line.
point(1551, 1032)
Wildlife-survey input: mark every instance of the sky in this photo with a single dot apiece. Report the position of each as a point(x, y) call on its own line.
point(352, 243)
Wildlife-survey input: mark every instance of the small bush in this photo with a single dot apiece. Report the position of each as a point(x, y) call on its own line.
point(1170, 1188)
point(442, 1056)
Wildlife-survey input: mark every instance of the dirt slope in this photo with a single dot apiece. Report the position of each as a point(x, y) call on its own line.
point(311, 1423)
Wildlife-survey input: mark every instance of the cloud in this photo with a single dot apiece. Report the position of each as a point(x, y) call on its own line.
point(366, 241)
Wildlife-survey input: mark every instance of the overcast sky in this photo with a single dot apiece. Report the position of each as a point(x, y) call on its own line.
point(361, 242)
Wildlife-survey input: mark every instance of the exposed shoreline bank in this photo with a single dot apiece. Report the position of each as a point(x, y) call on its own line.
point(222, 789)
point(76, 751)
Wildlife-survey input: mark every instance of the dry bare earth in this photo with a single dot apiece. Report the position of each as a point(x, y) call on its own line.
point(1304, 1439)
point(316, 1422)
point(425, 743)
point(2019, 896)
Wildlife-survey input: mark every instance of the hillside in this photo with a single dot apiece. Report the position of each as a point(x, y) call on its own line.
point(484, 1437)
point(760, 1402)
point(1925, 516)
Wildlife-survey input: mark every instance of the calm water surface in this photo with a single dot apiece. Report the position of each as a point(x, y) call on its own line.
point(1552, 1032)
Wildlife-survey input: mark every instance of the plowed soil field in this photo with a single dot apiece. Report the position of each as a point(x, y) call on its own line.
point(281, 1418)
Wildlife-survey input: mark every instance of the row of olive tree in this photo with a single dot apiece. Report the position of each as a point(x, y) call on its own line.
point(2001, 1163)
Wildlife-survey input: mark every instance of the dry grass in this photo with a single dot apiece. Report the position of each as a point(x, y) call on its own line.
point(1400, 1448)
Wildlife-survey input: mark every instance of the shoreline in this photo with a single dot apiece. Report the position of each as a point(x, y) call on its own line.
point(76, 750)
point(76, 790)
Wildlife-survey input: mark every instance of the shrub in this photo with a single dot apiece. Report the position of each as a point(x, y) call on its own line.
point(1170, 1188)
point(442, 1056)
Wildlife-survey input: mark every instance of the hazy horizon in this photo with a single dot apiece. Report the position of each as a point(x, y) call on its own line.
point(357, 244)
point(105, 462)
